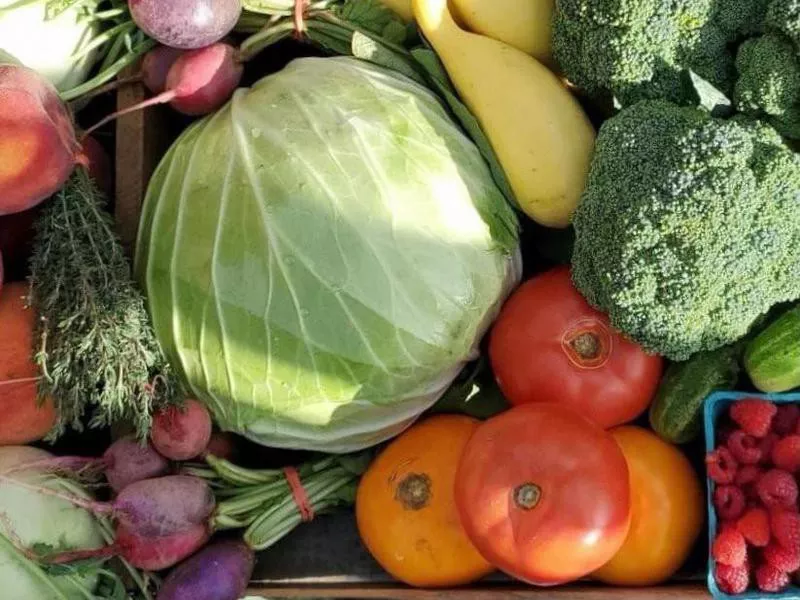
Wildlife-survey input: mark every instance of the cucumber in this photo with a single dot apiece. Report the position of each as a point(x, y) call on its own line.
point(676, 413)
point(772, 358)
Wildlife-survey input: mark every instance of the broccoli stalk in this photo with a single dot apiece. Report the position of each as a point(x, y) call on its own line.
point(689, 227)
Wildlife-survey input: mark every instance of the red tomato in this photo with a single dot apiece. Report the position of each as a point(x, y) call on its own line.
point(543, 493)
point(549, 345)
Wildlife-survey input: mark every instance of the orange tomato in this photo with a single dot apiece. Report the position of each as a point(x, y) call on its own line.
point(667, 509)
point(406, 511)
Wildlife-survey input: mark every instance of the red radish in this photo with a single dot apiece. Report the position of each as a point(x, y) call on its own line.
point(198, 83)
point(98, 164)
point(220, 571)
point(147, 553)
point(156, 66)
point(127, 461)
point(38, 148)
point(158, 553)
point(188, 24)
point(181, 433)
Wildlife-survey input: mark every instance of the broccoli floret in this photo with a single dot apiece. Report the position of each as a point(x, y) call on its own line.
point(642, 49)
point(689, 227)
point(768, 85)
point(783, 16)
point(769, 76)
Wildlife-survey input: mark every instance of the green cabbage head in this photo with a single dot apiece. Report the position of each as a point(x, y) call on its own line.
point(323, 255)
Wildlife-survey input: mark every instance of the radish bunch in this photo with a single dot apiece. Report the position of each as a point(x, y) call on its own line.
point(160, 518)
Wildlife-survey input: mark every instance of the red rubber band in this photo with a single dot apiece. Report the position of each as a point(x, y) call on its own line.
point(299, 494)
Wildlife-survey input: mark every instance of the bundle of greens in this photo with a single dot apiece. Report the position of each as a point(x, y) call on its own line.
point(97, 348)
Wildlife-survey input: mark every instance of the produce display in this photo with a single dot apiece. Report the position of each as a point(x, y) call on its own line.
point(470, 279)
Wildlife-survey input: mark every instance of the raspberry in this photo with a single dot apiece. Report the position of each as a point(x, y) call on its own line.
point(786, 419)
point(786, 453)
point(770, 579)
point(766, 444)
point(729, 502)
point(785, 525)
point(745, 448)
point(732, 580)
point(729, 547)
point(754, 526)
point(777, 489)
point(747, 474)
point(753, 415)
point(785, 559)
point(721, 466)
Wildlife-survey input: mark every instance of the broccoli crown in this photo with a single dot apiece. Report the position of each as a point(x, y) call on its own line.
point(689, 227)
point(783, 16)
point(768, 85)
point(769, 75)
point(642, 49)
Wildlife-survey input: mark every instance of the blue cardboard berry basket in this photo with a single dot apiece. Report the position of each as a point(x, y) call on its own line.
point(715, 405)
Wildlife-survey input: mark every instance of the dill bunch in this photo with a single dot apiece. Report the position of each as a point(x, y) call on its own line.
point(97, 350)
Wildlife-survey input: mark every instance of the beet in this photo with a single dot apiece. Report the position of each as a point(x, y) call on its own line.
point(158, 553)
point(164, 505)
point(128, 461)
point(220, 571)
point(181, 433)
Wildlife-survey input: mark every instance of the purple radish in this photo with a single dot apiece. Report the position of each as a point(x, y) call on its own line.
point(127, 461)
point(181, 433)
point(146, 553)
point(187, 24)
point(199, 82)
point(220, 571)
point(164, 505)
point(156, 65)
point(151, 507)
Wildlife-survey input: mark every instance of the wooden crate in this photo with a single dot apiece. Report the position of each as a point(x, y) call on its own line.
point(325, 559)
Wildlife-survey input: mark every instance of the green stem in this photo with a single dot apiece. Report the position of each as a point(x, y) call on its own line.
point(112, 13)
point(105, 37)
point(108, 74)
point(264, 39)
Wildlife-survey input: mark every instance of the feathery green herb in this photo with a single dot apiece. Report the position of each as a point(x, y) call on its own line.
point(97, 350)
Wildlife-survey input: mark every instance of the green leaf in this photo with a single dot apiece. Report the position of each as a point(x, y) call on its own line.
point(713, 100)
point(269, 7)
point(53, 8)
point(395, 32)
point(371, 15)
point(356, 463)
point(366, 48)
point(438, 76)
